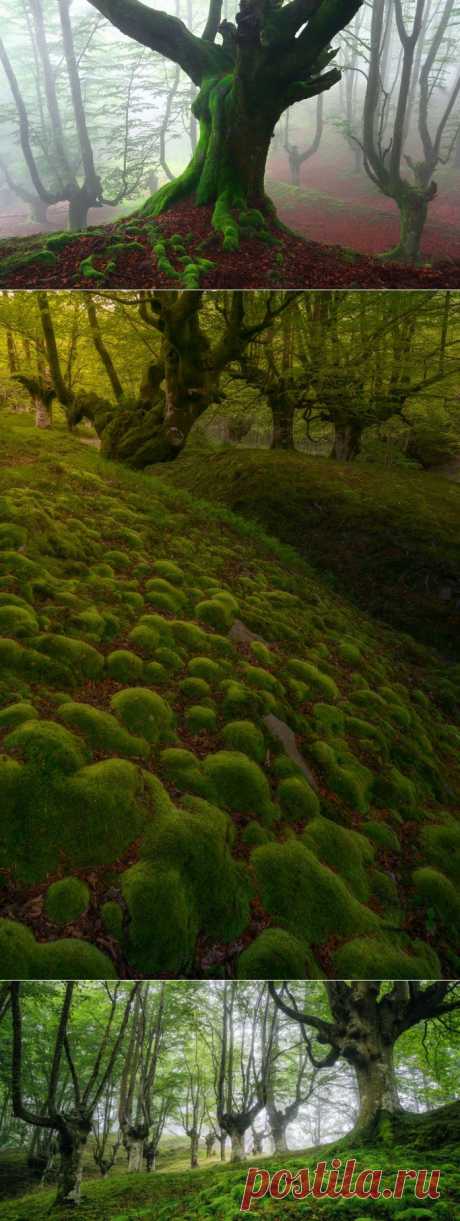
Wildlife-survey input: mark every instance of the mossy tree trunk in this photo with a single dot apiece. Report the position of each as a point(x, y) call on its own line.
point(347, 441)
point(413, 212)
point(194, 1147)
point(73, 1136)
point(270, 58)
point(278, 1129)
point(283, 412)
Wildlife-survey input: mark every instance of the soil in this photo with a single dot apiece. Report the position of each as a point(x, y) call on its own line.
point(293, 261)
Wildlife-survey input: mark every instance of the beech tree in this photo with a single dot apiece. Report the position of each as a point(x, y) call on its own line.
point(72, 1123)
point(367, 1019)
point(271, 57)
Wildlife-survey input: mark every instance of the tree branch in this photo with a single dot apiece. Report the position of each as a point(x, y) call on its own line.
point(198, 57)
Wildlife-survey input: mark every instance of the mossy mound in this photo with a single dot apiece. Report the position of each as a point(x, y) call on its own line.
point(275, 954)
point(22, 957)
point(308, 758)
point(66, 900)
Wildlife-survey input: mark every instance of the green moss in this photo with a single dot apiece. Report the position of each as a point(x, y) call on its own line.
point(72, 959)
point(315, 681)
point(66, 900)
point(380, 958)
point(124, 666)
point(238, 782)
point(204, 667)
point(118, 560)
point(102, 731)
point(47, 746)
point(329, 718)
point(214, 612)
point(102, 815)
point(169, 658)
point(195, 688)
point(349, 652)
point(254, 834)
point(297, 799)
point(183, 768)
point(112, 919)
point(439, 893)
point(155, 674)
point(163, 920)
point(11, 536)
point(238, 700)
point(275, 954)
point(199, 718)
point(145, 638)
point(16, 621)
point(17, 950)
point(143, 712)
point(382, 835)
point(79, 656)
point(442, 847)
point(164, 595)
point(188, 634)
point(261, 679)
point(394, 791)
point(245, 737)
point(306, 896)
point(345, 851)
point(16, 714)
point(170, 571)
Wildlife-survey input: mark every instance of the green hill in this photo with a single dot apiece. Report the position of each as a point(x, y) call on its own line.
point(216, 1192)
point(210, 761)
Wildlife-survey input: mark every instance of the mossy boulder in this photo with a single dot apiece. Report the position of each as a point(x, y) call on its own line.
point(145, 638)
point(102, 731)
point(79, 656)
point(315, 681)
point(309, 900)
point(394, 791)
point(442, 847)
point(66, 900)
point(206, 668)
point(297, 799)
point(17, 950)
point(195, 688)
point(201, 719)
point(143, 712)
point(16, 621)
point(48, 747)
point(345, 851)
point(238, 782)
point(275, 954)
point(381, 958)
point(438, 893)
point(124, 666)
point(71, 958)
point(163, 919)
point(15, 714)
point(245, 737)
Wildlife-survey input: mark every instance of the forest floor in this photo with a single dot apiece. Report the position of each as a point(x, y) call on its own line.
point(386, 538)
point(216, 1192)
point(193, 721)
point(180, 248)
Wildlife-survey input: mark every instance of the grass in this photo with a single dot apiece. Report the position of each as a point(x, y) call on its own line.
point(113, 777)
point(216, 1192)
point(388, 539)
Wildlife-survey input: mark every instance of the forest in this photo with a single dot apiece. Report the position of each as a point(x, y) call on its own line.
point(254, 144)
point(229, 635)
point(129, 1100)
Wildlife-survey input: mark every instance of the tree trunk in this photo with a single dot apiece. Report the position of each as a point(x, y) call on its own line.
point(78, 211)
point(223, 1145)
point(237, 1150)
point(377, 1089)
point(72, 1142)
point(413, 211)
point(278, 1131)
point(194, 1142)
point(283, 424)
point(228, 166)
point(347, 442)
point(43, 417)
point(39, 211)
point(294, 167)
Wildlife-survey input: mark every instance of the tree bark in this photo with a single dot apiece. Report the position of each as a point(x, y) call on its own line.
point(72, 1141)
point(278, 1132)
point(377, 1088)
point(347, 442)
point(78, 210)
point(194, 1144)
point(413, 212)
point(283, 424)
point(237, 1145)
point(43, 416)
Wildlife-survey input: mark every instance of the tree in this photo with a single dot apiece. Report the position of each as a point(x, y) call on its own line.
point(424, 57)
point(242, 1063)
point(368, 1017)
point(272, 57)
point(297, 158)
point(72, 1125)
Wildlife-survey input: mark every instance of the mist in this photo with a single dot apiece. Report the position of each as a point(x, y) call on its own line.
point(372, 162)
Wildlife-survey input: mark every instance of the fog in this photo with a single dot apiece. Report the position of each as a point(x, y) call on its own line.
point(373, 162)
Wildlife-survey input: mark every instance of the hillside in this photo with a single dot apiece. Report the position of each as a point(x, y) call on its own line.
point(387, 538)
point(216, 1192)
point(211, 762)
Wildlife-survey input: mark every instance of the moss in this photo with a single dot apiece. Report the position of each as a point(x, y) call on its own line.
point(47, 746)
point(238, 782)
point(365, 730)
point(255, 834)
point(345, 851)
point(16, 714)
point(123, 666)
point(163, 920)
point(72, 959)
point(12, 536)
point(382, 835)
point(188, 634)
point(238, 700)
point(442, 846)
point(201, 719)
point(316, 682)
point(263, 654)
point(195, 688)
point(204, 667)
point(169, 658)
point(102, 815)
point(66, 900)
point(145, 638)
point(384, 887)
point(16, 621)
point(183, 769)
point(345, 775)
point(380, 958)
point(395, 791)
point(143, 712)
point(17, 950)
point(164, 595)
point(245, 737)
point(297, 799)
point(170, 571)
point(329, 718)
point(256, 676)
point(438, 892)
point(275, 954)
point(214, 612)
point(155, 674)
point(349, 652)
point(118, 560)
point(306, 896)
point(81, 657)
point(102, 731)
point(112, 919)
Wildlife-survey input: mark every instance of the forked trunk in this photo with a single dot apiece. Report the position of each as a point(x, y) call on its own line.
point(72, 1142)
point(278, 1131)
point(133, 1141)
point(413, 211)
